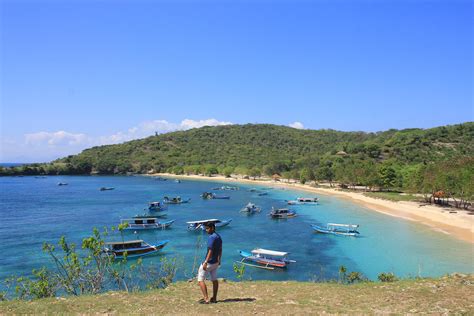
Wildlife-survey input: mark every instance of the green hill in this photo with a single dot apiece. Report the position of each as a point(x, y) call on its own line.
point(385, 159)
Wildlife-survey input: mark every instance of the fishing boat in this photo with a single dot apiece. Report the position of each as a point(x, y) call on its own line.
point(250, 208)
point(175, 200)
point(337, 229)
point(303, 201)
point(156, 206)
point(133, 248)
point(158, 215)
point(226, 188)
point(266, 259)
point(263, 193)
point(62, 183)
point(106, 189)
point(177, 180)
point(282, 213)
point(195, 225)
point(145, 223)
point(213, 196)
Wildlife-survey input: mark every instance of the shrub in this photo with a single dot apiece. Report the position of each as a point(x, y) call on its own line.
point(387, 277)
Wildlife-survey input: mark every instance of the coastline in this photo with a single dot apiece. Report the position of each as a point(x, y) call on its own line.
point(460, 225)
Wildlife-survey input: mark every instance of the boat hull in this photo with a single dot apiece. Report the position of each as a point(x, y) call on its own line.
point(323, 230)
point(138, 252)
point(159, 225)
point(264, 262)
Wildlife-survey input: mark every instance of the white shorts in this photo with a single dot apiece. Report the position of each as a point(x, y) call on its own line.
point(211, 269)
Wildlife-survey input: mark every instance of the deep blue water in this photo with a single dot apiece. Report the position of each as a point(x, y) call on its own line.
point(36, 210)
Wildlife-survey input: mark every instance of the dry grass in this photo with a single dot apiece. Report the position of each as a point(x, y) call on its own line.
point(454, 294)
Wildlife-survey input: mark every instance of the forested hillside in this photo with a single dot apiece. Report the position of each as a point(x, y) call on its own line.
point(392, 159)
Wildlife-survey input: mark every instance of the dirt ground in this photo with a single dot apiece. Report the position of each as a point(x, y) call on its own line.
point(453, 294)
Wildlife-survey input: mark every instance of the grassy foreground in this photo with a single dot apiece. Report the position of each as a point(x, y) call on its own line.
point(453, 294)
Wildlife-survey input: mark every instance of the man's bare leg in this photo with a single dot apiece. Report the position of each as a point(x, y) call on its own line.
point(203, 287)
point(215, 288)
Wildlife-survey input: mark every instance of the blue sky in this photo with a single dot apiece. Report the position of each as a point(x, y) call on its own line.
point(86, 73)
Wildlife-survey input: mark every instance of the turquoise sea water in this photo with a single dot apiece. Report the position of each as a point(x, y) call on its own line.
point(35, 210)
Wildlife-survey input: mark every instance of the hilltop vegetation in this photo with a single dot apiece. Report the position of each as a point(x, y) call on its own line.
point(447, 295)
point(415, 160)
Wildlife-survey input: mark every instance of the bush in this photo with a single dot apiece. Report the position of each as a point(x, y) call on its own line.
point(387, 277)
point(354, 277)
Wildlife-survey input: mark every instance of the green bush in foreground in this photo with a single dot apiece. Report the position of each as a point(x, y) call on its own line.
point(89, 271)
point(387, 277)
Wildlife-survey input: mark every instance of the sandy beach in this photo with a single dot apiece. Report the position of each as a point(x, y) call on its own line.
point(460, 225)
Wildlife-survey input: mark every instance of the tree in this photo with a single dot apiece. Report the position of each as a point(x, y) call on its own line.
point(388, 176)
point(255, 172)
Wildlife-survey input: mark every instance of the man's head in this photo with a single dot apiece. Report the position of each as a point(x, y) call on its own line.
point(210, 228)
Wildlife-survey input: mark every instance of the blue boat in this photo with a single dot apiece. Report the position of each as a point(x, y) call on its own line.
point(337, 229)
point(156, 206)
point(133, 248)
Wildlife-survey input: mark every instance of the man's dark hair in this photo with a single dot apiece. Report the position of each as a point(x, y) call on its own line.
point(210, 225)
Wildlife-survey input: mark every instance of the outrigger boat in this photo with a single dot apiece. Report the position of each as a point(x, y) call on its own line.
point(250, 208)
point(195, 225)
point(212, 196)
point(106, 189)
point(265, 259)
point(337, 229)
point(146, 223)
point(282, 213)
point(175, 200)
point(156, 206)
point(133, 248)
point(159, 215)
point(303, 201)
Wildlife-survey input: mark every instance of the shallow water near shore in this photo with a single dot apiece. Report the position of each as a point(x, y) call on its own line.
point(36, 210)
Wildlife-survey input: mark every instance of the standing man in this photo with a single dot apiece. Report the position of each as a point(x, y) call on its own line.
point(211, 264)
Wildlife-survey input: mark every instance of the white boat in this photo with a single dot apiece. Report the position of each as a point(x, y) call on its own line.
point(201, 224)
point(250, 208)
point(146, 223)
point(266, 259)
point(280, 213)
point(303, 201)
point(337, 229)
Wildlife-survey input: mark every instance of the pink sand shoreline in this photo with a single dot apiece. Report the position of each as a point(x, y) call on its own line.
point(459, 225)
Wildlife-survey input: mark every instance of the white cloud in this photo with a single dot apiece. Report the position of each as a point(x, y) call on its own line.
point(297, 125)
point(46, 146)
point(188, 124)
point(58, 138)
point(149, 128)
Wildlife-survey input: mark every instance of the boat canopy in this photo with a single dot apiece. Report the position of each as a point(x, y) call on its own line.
point(343, 225)
point(212, 220)
point(261, 251)
point(128, 220)
point(123, 242)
